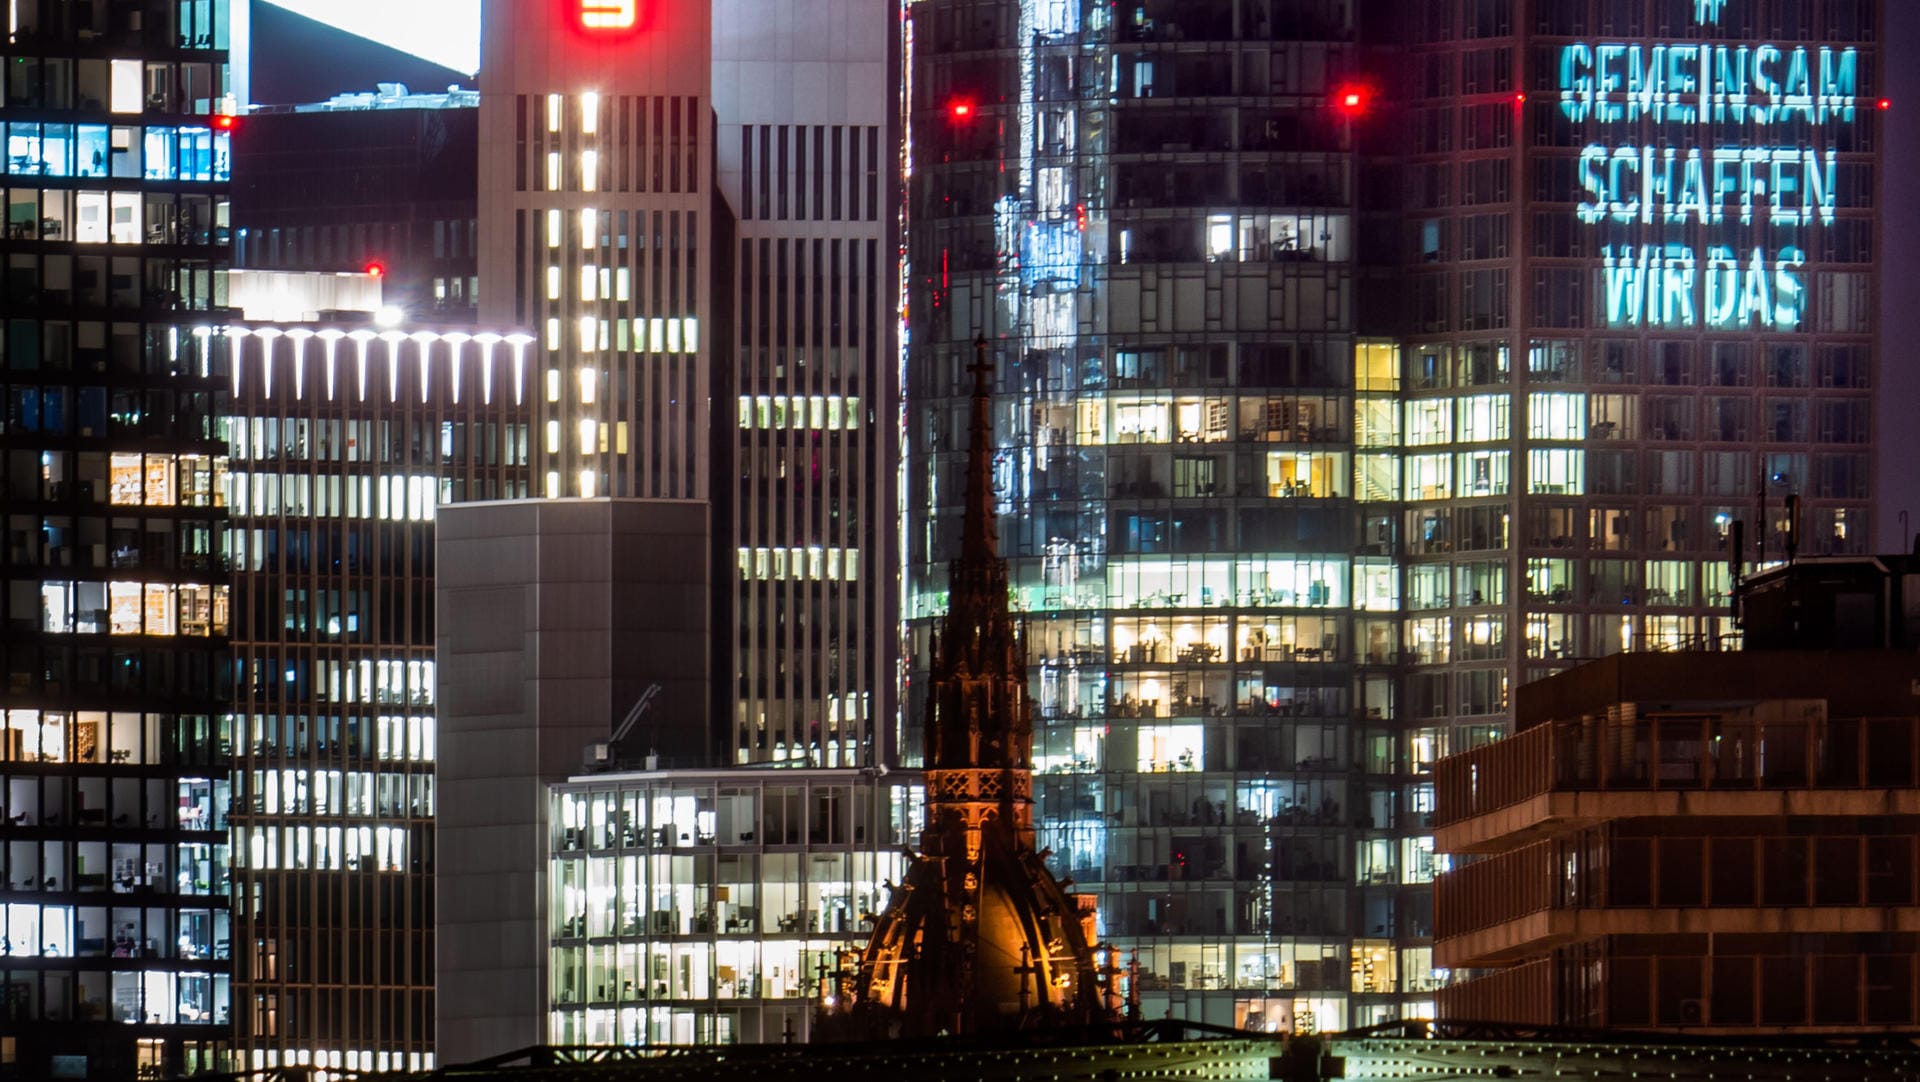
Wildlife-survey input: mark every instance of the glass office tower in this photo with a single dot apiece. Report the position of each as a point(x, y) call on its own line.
point(1643, 316)
point(114, 750)
point(1150, 211)
point(1283, 539)
point(344, 441)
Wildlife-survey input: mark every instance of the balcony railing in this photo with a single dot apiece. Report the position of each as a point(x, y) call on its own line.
point(1605, 870)
point(1780, 746)
point(1522, 994)
point(1494, 891)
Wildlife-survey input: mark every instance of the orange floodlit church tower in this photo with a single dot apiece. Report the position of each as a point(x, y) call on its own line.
point(980, 938)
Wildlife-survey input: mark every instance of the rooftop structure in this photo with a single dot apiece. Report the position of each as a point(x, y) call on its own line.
point(1722, 843)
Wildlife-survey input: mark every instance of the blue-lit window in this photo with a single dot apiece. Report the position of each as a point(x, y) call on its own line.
point(94, 153)
point(40, 149)
point(188, 154)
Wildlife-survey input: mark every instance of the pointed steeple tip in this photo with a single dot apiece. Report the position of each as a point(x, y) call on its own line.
point(982, 368)
point(979, 541)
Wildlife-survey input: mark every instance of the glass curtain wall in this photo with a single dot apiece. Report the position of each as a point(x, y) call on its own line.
point(1148, 210)
point(114, 748)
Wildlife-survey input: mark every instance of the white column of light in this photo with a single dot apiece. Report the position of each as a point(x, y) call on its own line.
point(330, 337)
point(456, 341)
point(360, 339)
point(426, 339)
point(267, 336)
point(300, 336)
point(237, 336)
point(487, 341)
point(393, 340)
point(519, 342)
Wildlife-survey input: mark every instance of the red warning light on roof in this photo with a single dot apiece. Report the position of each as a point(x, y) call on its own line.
point(1353, 99)
point(377, 270)
point(609, 16)
point(1886, 104)
point(224, 122)
point(960, 109)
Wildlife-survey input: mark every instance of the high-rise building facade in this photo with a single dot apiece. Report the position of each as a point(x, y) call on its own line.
point(1642, 309)
point(382, 182)
point(1284, 537)
point(1151, 211)
point(344, 440)
point(692, 208)
point(115, 746)
point(1641, 327)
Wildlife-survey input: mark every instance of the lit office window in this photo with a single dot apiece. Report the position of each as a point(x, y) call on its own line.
point(127, 93)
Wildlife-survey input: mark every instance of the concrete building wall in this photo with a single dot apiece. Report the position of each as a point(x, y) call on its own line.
point(553, 617)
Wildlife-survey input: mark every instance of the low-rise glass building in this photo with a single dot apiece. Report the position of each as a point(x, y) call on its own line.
point(706, 906)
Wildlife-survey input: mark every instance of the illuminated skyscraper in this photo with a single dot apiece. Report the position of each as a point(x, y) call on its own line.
point(1282, 538)
point(114, 747)
point(1643, 325)
point(1152, 209)
point(692, 208)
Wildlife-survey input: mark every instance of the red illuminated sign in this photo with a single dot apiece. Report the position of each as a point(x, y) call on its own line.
point(606, 16)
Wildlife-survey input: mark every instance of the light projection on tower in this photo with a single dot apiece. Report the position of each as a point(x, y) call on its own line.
point(1747, 207)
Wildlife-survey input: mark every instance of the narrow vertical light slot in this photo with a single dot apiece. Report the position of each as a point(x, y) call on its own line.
point(622, 285)
point(554, 106)
point(589, 334)
point(673, 336)
point(556, 227)
point(553, 484)
point(589, 435)
point(590, 113)
point(620, 437)
point(553, 437)
point(589, 282)
point(586, 484)
point(589, 383)
point(690, 335)
point(589, 170)
point(553, 171)
point(553, 283)
point(553, 385)
point(656, 335)
point(589, 227)
point(746, 411)
point(553, 333)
